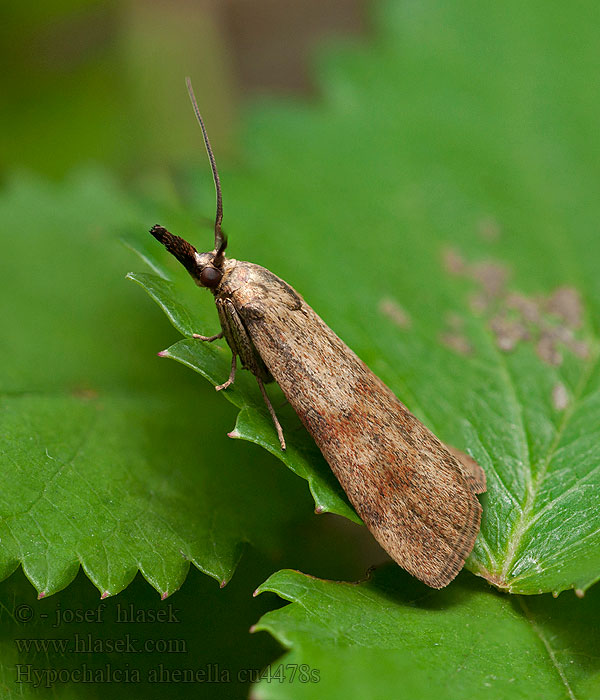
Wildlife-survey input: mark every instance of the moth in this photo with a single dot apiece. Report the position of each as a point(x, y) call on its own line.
point(416, 495)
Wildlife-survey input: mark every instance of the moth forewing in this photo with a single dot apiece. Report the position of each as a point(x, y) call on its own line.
point(412, 494)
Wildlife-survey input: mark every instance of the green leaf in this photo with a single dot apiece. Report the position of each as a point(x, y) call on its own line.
point(110, 459)
point(438, 209)
point(392, 637)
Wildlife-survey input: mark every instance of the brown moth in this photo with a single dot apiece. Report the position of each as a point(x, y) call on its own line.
point(416, 496)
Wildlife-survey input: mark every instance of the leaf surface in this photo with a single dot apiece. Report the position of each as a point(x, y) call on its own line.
point(107, 462)
point(393, 637)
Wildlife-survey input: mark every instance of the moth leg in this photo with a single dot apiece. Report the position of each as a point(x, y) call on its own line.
point(231, 374)
point(261, 386)
point(207, 338)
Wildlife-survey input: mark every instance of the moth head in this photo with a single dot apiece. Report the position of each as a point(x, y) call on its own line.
point(205, 268)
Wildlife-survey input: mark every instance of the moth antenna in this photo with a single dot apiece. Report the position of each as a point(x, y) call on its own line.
point(178, 247)
point(220, 238)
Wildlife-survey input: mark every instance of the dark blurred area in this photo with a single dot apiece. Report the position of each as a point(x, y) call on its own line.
point(104, 81)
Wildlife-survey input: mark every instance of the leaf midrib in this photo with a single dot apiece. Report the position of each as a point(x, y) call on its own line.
point(526, 520)
point(540, 634)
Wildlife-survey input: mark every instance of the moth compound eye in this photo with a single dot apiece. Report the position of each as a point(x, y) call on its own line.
point(210, 276)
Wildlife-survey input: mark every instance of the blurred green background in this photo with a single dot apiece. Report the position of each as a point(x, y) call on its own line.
point(103, 81)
